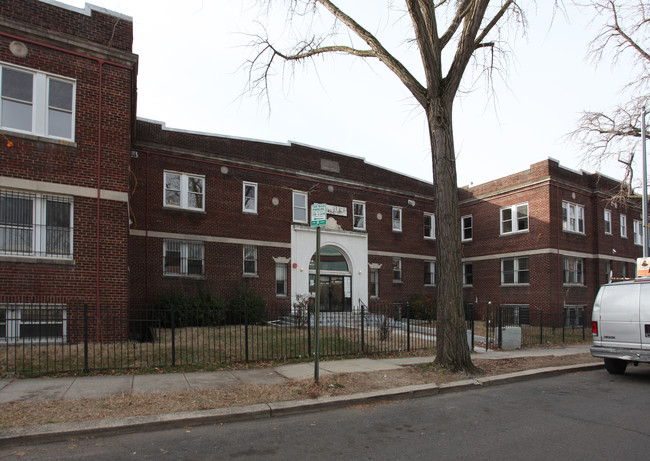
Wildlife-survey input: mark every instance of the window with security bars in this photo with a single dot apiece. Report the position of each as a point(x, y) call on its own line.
point(33, 322)
point(573, 316)
point(35, 225)
point(183, 258)
point(515, 314)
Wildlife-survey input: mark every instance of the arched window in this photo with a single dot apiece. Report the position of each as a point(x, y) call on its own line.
point(331, 259)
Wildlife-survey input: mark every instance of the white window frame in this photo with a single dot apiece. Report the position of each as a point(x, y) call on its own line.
point(431, 235)
point(358, 215)
point(573, 218)
point(298, 207)
point(246, 206)
point(464, 227)
point(607, 216)
point(183, 191)
point(466, 282)
point(188, 250)
point(281, 280)
point(623, 223)
point(11, 320)
point(516, 225)
point(517, 271)
point(249, 255)
point(41, 111)
point(574, 271)
point(396, 219)
point(397, 270)
point(429, 273)
point(637, 227)
point(38, 232)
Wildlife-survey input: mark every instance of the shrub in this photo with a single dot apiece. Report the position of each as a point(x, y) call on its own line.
point(203, 310)
point(423, 307)
point(247, 303)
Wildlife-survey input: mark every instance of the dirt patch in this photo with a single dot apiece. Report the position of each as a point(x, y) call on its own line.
point(22, 414)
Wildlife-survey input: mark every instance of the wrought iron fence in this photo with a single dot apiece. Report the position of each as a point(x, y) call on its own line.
point(538, 328)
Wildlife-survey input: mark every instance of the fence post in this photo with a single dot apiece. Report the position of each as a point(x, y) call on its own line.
point(173, 339)
point(488, 314)
point(308, 330)
point(500, 325)
point(363, 336)
point(563, 324)
point(408, 327)
point(246, 328)
point(86, 369)
point(541, 327)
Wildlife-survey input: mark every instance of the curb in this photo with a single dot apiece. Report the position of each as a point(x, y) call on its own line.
point(117, 426)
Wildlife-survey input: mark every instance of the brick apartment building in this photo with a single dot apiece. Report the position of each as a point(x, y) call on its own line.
point(97, 207)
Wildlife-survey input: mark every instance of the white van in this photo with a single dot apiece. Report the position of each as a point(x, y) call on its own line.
point(620, 323)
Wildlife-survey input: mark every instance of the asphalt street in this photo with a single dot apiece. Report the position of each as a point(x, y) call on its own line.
point(584, 415)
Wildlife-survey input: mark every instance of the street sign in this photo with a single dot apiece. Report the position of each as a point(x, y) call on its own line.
point(318, 215)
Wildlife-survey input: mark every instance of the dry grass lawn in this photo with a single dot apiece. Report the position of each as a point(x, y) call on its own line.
point(26, 413)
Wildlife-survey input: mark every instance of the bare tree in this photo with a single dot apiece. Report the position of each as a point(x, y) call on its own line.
point(451, 29)
point(615, 134)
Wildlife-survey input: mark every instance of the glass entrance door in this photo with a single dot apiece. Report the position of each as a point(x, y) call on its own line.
point(335, 292)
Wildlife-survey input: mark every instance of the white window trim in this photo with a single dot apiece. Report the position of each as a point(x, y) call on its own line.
point(244, 208)
point(184, 246)
point(623, 224)
point(39, 226)
point(397, 267)
point(432, 271)
point(462, 228)
point(516, 270)
point(40, 103)
point(397, 228)
point(282, 267)
point(356, 203)
point(376, 275)
point(254, 260)
point(465, 264)
point(294, 206)
point(637, 227)
point(607, 216)
point(514, 219)
point(579, 274)
point(576, 212)
point(13, 321)
point(184, 191)
point(432, 235)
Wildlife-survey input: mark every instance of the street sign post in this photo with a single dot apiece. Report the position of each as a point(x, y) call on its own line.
point(318, 220)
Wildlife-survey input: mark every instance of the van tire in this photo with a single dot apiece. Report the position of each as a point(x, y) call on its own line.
point(615, 366)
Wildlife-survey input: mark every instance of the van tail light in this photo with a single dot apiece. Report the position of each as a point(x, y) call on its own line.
point(594, 328)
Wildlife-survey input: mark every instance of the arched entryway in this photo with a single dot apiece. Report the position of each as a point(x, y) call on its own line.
point(335, 280)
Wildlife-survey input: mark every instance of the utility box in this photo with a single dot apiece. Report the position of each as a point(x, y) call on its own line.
point(510, 338)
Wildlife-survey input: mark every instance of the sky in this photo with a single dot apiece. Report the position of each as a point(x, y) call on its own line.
point(192, 77)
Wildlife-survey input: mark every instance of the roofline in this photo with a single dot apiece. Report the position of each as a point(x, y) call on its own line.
point(88, 9)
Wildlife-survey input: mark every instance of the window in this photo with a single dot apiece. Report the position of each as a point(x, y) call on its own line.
point(624, 271)
point(397, 219)
point(573, 217)
point(623, 220)
point(429, 273)
point(608, 222)
point(515, 271)
point(466, 228)
point(638, 232)
point(429, 226)
point(249, 198)
point(299, 207)
point(514, 218)
point(183, 258)
point(573, 316)
point(468, 276)
point(573, 271)
point(374, 283)
point(36, 103)
point(184, 191)
point(359, 215)
point(281, 280)
point(250, 260)
point(516, 314)
point(608, 272)
point(34, 322)
point(397, 270)
point(35, 225)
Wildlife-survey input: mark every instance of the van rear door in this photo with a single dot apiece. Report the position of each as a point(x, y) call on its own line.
point(645, 316)
point(619, 316)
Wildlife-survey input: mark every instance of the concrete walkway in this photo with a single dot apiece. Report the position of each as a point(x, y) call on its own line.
point(93, 387)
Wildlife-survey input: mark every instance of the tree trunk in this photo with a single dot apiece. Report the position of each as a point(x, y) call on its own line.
point(452, 350)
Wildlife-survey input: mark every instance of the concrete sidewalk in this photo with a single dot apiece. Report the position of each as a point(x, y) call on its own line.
point(93, 387)
point(42, 389)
